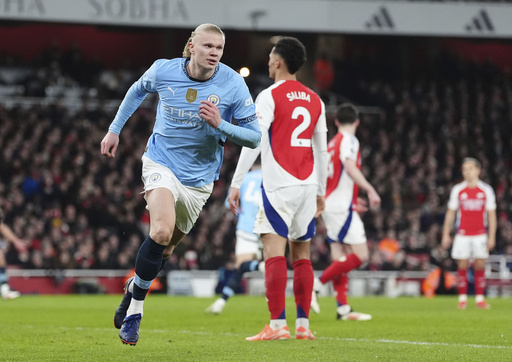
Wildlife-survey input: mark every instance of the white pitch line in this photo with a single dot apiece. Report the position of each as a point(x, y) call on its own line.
point(419, 343)
point(379, 341)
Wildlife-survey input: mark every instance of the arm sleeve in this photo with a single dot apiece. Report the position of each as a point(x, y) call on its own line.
point(245, 162)
point(320, 157)
point(453, 202)
point(319, 144)
point(133, 98)
point(490, 202)
point(246, 134)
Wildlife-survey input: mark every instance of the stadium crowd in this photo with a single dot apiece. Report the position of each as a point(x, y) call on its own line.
point(76, 209)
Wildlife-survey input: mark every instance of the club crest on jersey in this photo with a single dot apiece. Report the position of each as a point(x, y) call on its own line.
point(215, 99)
point(191, 95)
point(155, 177)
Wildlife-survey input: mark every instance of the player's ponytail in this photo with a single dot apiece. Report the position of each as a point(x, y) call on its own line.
point(207, 27)
point(186, 50)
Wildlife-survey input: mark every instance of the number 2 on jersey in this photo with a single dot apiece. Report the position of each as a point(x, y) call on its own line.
point(306, 121)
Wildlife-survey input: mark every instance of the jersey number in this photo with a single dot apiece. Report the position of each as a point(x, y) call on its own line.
point(306, 121)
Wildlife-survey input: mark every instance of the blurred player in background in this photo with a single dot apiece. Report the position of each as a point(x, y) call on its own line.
point(294, 169)
point(474, 203)
point(198, 98)
point(8, 235)
point(248, 244)
point(345, 230)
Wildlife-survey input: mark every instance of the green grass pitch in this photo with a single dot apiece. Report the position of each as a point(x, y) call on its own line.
point(80, 328)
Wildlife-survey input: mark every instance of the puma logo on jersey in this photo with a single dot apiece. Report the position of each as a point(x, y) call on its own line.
point(292, 96)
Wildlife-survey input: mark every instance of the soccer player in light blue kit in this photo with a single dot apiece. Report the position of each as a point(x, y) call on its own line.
point(199, 97)
point(248, 244)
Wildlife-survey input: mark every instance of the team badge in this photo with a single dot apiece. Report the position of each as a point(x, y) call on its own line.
point(191, 95)
point(155, 177)
point(215, 99)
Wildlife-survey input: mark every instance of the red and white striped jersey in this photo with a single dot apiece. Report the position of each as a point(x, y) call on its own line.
point(471, 205)
point(289, 114)
point(341, 192)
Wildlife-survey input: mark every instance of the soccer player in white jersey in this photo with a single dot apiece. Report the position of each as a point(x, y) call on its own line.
point(248, 244)
point(294, 167)
point(345, 230)
point(198, 98)
point(474, 203)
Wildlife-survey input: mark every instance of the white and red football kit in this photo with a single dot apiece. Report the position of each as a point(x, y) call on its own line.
point(471, 205)
point(293, 155)
point(342, 223)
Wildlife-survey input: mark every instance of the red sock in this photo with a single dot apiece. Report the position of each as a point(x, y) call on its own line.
point(479, 282)
point(462, 281)
point(276, 277)
point(340, 285)
point(303, 278)
point(339, 267)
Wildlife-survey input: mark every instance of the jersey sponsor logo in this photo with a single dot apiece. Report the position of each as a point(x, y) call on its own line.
point(472, 204)
point(191, 95)
point(215, 99)
point(172, 90)
point(155, 177)
point(293, 96)
point(182, 116)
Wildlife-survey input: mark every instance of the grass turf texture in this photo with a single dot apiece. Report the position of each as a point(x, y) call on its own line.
point(80, 328)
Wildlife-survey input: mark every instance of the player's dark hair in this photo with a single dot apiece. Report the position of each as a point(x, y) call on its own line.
point(292, 51)
point(1, 216)
point(347, 113)
point(472, 159)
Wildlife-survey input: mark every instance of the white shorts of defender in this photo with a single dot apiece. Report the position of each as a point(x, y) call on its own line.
point(290, 209)
point(347, 230)
point(467, 247)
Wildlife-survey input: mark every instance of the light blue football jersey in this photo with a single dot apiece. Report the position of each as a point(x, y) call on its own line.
point(181, 139)
point(250, 196)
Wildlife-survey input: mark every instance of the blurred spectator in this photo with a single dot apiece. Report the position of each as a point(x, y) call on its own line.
point(79, 211)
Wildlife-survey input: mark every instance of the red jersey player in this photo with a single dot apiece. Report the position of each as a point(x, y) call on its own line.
point(345, 230)
point(294, 170)
point(475, 204)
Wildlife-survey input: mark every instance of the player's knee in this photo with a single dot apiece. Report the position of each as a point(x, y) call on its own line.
point(362, 255)
point(161, 234)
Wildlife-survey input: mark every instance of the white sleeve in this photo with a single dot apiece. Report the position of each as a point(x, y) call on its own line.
point(245, 162)
point(265, 113)
point(320, 158)
point(349, 148)
point(490, 198)
point(453, 202)
point(319, 145)
point(265, 107)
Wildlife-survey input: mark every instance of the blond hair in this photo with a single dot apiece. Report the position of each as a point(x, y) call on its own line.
point(207, 27)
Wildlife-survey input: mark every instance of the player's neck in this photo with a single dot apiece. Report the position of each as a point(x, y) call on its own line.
point(284, 75)
point(472, 184)
point(199, 73)
point(347, 128)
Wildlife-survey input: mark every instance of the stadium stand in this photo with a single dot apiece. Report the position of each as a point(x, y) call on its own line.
point(77, 210)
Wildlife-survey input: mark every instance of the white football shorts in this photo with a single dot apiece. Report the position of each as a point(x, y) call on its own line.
point(346, 227)
point(288, 212)
point(466, 247)
point(189, 201)
point(248, 243)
